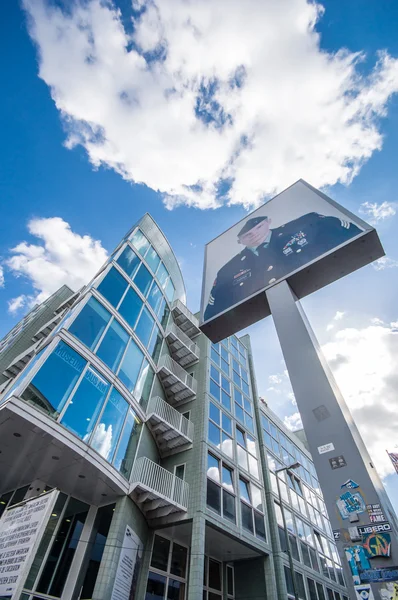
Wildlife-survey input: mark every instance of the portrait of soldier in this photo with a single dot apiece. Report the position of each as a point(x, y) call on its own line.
point(271, 254)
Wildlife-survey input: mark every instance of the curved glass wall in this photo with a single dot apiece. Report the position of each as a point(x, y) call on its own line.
point(121, 320)
point(69, 389)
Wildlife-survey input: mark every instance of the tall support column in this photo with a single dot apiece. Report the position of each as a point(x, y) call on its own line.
point(337, 449)
point(197, 558)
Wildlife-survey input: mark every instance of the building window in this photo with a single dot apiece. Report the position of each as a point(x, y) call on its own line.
point(59, 560)
point(90, 323)
point(312, 589)
point(252, 512)
point(247, 452)
point(113, 286)
point(213, 580)
point(179, 471)
point(220, 488)
point(220, 430)
point(129, 261)
point(243, 410)
point(167, 571)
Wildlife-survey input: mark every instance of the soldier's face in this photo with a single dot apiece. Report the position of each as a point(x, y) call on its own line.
point(256, 235)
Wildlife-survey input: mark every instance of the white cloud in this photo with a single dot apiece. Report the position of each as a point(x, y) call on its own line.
point(377, 321)
point(337, 317)
point(274, 389)
point(60, 257)
point(292, 398)
point(16, 304)
point(203, 92)
point(293, 422)
point(384, 263)
point(275, 379)
point(2, 281)
point(364, 364)
point(378, 212)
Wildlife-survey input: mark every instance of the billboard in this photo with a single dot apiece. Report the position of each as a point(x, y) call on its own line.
point(289, 237)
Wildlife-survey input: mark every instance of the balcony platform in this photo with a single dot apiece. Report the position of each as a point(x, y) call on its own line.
point(179, 386)
point(185, 320)
point(172, 431)
point(182, 348)
point(157, 492)
point(20, 361)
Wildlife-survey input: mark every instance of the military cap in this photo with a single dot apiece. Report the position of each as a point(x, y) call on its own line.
point(250, 224)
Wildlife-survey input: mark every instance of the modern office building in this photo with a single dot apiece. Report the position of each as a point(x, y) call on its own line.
point(159, 449)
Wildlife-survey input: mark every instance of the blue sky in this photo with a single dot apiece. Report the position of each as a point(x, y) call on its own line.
point(209, 134)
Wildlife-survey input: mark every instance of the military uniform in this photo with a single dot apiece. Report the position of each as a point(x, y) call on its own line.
point(287, 248)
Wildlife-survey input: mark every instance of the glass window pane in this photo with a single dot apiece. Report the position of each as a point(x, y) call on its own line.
point(162, 275)
point(242, 457)
point(139, 242)
point(155, 344)
point(214, 374)
point(236, 379)
point(227, 445)
point(144, 327)
point(113, 345)
point(251, 444)
point(160, 553)
point(253, 466)
point(155, 297)
point(245, 388)
point(230, 581)
point(86, 404)
point(107, 432)
point(239, 413)
point(240, 437)
point(214, 574)
point(213, 467)
point(259, 525)
point(156, 586)
point(300, 585)
point(257, 500)
point(321, 593)
point(55, 380)
point(63, 549)
point(90, 323)
point(214, 390)
point(227, 480)
point(113, 286)
point(131, 364)
point(163, 313)
point(249, 423)
point(213, 496)
point(244, 489)
point(228, 506)
point(238, 397)
point(125, 453)
point(225, 384)
point(214, 413)
point(143, 279)
point(226, 423)
point(225, 367)
point(143, 388)
point(214, 356)
point(152, 259)
point(226, 400)
point(129, 261)
point(247, 517)
point(175, 590)
point(178, 560)
point(130, 307)
point(312, 589)
point(289, 581)
point(169, 291)
point(214, 434)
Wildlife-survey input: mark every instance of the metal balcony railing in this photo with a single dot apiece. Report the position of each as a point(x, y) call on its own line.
point(171, 429)
point(157, 491)
point(178, 384)
point(182, 348)
point(185, 319)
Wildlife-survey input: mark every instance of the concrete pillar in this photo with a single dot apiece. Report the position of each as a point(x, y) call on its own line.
point(197, 558)
point(337, 449)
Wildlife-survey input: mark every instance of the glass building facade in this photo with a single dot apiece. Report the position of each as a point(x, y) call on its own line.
point(145, 431)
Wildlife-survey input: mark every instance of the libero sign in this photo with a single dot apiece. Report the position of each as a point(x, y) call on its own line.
point(301, 236)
